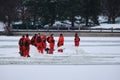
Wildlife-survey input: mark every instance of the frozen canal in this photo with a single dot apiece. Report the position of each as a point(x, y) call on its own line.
point(92, 50)
point(101, 53)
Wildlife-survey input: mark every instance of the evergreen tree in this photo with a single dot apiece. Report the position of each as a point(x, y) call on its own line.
point(34, 7)
point(111, 8)
point(61, 10)
point(73, 10)
point(95, 11)
point(50, 13)
point(43, 10)
point(90, 10)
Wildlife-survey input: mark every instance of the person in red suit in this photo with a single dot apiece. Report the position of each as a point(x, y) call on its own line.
point(60, 42)
point(21, 45)
point(33, 39)
point(44, 44)
point(52, 44)
point(39, 43)
point(27, 46)
point(76, 40)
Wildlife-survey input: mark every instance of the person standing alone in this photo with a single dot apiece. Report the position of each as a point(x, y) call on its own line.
point(76, 42)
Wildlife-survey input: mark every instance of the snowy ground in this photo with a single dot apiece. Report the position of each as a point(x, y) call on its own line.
point(61, 72)
point(1, 26)
point(92, 49)
point(108, 26)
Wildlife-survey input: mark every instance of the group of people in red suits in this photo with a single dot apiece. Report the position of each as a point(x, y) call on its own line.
point(40, 42)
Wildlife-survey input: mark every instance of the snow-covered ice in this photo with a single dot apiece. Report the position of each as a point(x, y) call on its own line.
point(91, 48)
point(60, 72)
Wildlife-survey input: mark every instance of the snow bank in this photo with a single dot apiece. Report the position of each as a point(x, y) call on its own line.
point(1, 26)
point(108, 26)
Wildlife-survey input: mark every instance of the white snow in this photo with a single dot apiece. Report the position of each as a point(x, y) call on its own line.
point(108, 26)
point(92, 50)
point(20, 22)
point(60, 72)
point(90, 47)
point(2, 26)
point(94, 45)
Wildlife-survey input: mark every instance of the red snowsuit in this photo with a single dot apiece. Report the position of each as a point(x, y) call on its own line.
point(52, 43)
point(60, 43)
point(76, 41)
point(27, 47)
point(21, 46)
point(39, 44)
point(44, 42)
point(33, 40)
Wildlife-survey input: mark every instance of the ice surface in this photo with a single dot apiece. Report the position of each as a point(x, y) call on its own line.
point(94, 49)
point(60, 72)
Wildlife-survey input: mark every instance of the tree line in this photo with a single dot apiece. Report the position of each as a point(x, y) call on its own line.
point(44, 12)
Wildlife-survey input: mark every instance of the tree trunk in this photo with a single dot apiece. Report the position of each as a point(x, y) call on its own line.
point(113, 20)
point(9, 22)
point(109, 19)
point(87, 19)
point(95, 20)
point(72, 22)
point(52, 21)
point(23, 15)
point(34, 20)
